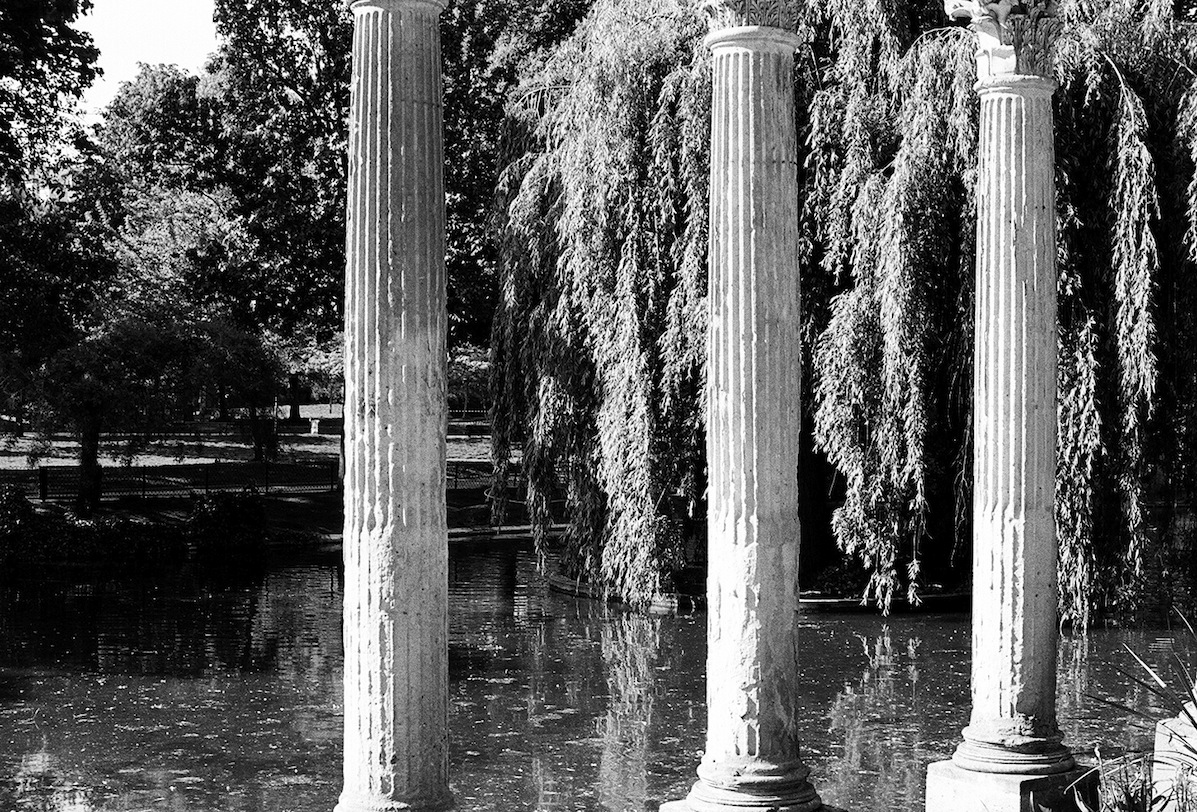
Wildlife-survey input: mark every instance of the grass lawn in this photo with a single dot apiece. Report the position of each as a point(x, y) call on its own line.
point(14, 451)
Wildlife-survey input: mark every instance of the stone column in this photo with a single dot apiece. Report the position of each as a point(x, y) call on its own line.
point(1012, 750)
point(753, 413)
point(396, 541)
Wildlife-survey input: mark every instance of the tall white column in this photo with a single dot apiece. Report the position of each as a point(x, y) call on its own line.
point(753, 412)
point(1012, 749)
point(396, 539)
point(1013, 726)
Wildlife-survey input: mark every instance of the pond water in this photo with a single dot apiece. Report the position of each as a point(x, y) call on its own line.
point(193, 693)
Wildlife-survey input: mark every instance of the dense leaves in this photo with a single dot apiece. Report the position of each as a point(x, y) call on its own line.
point(45, 63)
point(281, 83)
point(48, 265)
point(597, 344)
point(598, 339)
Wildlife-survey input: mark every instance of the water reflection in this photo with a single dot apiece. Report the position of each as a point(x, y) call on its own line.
point(631, 645)
point(40, 786)
point(197, 691)
point(883, 738)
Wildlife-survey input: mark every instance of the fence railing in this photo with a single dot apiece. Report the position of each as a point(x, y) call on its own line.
point(54, 482)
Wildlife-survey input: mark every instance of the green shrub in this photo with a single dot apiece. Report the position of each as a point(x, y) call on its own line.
point(29, 539)
point(225, 527)
point(220, 515)
point(16, 521)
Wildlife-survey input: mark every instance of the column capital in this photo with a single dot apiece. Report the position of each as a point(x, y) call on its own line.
point(754, 38)
point(1013, 38)
point(436, 6)
point(722, 14)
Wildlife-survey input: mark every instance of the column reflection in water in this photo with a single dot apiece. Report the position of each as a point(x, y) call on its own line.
point(631, 647)
point(884, 756)
point(41, 786)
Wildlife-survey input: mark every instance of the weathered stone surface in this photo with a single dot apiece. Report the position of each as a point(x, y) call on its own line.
point(1013, 728)
point(1014, 435)
point(753, 400)
point(949, 786)
point(396, 538)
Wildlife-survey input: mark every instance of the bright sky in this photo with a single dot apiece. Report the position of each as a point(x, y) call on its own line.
point(176, 32)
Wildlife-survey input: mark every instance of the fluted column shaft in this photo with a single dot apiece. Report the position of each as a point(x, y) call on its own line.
point(753, 423)
point(1013, 726)
point(396, 538)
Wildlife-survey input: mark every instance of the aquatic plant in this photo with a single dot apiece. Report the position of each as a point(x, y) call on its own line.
point(1131, 783)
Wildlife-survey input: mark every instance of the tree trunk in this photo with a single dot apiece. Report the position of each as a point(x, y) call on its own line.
point(90, 471)
point(293, 396)
point(258, 429)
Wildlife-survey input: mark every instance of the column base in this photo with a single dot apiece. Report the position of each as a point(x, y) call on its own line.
point(1174, 762)
point(684, 805)
point(951, 788)
point(791, 794)
point(348, 803)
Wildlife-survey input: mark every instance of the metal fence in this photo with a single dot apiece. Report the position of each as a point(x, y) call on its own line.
point(62, 481)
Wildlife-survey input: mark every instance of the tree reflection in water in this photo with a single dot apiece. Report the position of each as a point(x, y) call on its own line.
point(631, 647)
point(882, 740)
point(198, 693)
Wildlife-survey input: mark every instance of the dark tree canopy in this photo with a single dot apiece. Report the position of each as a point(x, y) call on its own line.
point(281, 79)
point(49, 266)
point(45, 62)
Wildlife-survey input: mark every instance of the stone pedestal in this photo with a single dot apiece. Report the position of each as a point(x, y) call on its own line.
point(396, 538)
point(1174, 762)
point(1013, 731)
point(950, 786)
point(753, 400)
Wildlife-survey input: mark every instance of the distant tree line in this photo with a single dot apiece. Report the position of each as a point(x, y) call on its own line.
point(187, 252)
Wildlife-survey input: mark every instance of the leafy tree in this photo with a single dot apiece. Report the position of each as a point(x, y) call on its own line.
point(48, 266)
point(282, 77)
point(154, 192)
point(486, 44)
point(152, 276)
point(126, 376)
point(234, 367)
point(162, 129)
point(601, 320)
point(45, 63)
point(598, 338)
point(469, 378)
point(50, 274)
point(136, 376)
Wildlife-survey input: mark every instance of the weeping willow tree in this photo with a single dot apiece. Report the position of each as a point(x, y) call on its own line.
point(600, 333)
point(599, 339)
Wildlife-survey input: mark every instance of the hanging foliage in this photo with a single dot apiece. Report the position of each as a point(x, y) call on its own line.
point(600, 334)
point(894, 355)
point(598, 343)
